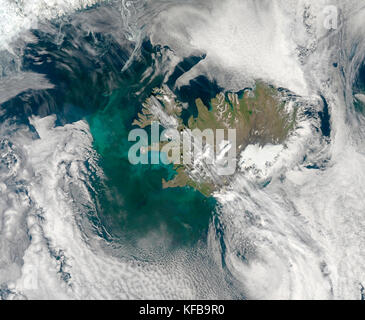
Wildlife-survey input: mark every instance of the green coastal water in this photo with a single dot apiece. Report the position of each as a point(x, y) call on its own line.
point(132, 202)
point(90, 85)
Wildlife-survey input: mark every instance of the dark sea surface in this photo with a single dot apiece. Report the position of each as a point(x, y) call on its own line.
point(89, 84)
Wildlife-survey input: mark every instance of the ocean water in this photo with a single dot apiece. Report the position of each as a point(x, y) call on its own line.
point(133, 202)
point(89, 85)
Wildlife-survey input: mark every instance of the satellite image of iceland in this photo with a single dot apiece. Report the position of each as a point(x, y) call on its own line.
point(182, 150)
